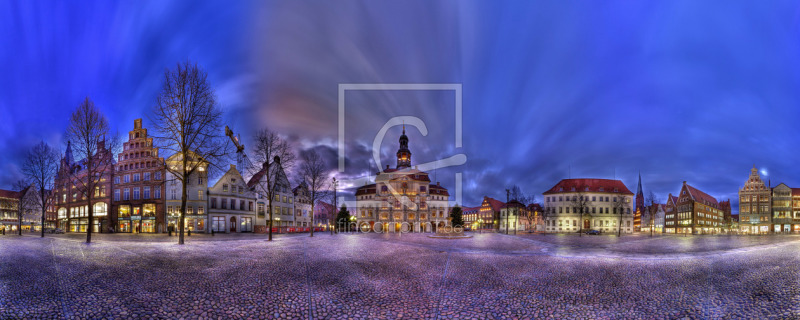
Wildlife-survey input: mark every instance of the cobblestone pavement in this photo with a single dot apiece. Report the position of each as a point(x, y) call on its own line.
point(409, 276)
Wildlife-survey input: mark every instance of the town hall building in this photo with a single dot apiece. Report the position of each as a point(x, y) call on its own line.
point(402, 199)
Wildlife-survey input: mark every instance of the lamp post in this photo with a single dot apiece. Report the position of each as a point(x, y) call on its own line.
point(480, 225)
point(352, 219)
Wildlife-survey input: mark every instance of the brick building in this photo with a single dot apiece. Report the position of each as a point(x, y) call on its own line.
point(695, 212)
point(138, 200)
point(70, 192)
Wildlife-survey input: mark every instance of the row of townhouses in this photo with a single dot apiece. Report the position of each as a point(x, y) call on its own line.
point(138, 194)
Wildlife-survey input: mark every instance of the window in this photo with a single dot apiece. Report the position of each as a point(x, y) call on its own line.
point(260, 209)
point(200, 181)
point(116, 194)
point(213, 203)
point(224, 203)
point(225, 187)
point(158, 175)
point(126, 178)
point(241, 205)
point(146, 193)
point(173, 194)
point(241, 190)
point(199, 194)
point(201, 210)
point(157, 193)
point(124, 211)
point(136, 193)
point(250, 205)
point(149, 210)
point(147, 176)
point(233, 204)
point(218, 224)
point(126, 194)
point(189, 210)
point(116, 180)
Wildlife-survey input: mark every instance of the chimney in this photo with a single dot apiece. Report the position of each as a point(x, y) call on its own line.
point(684, 183)
point(387, 167)
point(137, 124)
point(233, 166)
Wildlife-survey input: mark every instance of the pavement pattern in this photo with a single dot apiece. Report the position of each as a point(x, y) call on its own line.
point(408, 276)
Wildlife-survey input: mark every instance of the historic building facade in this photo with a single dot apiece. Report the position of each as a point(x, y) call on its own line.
point(755, 204)
point(402, 199)
point(584, 204)
point(138, 199)
point(195, 218)
point(302, 206)
point(282, 202)
point(695, 212)
point(782, 216)
point(232, 205)
point(70, 192)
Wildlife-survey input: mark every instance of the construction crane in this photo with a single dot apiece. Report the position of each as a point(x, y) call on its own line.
point(240, 156)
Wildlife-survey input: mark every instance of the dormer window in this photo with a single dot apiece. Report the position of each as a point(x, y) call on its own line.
point(602, 189)
point(572, 189)
point(561, 189)
point(587, 189)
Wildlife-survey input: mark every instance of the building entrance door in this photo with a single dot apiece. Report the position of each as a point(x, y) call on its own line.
point(233, 224)
point(586, 224)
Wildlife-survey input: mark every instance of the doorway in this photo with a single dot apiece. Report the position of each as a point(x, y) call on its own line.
point(233, 224)
point(586, 224)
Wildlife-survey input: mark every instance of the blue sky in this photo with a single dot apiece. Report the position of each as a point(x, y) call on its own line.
point(679, 90)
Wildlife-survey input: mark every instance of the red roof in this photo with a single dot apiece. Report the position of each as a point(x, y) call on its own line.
point(701, 196)
point(535, 207)
point(796, 191)
point(593, 185)
point(437, 189)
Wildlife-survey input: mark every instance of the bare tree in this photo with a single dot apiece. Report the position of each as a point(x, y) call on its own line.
point(25, 204)
point(516, 194)
point(189, 124)
point(40, 168)
point(313, 172)
point(87, 131)
point(276, 155)
point(580, 204)
point(652, 201)
point(619, 206)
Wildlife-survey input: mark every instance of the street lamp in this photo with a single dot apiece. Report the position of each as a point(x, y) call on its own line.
point(352, 219)
point(480, 225)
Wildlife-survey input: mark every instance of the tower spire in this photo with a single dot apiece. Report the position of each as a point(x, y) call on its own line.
point(639, 188)
point(403, 154)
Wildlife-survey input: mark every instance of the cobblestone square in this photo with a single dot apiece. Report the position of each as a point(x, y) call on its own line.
point(410, 276)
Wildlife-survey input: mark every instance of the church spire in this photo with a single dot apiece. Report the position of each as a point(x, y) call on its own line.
point(403, 154)
point(639, 188)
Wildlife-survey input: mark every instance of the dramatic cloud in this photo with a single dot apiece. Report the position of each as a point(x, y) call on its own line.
point(679, 90)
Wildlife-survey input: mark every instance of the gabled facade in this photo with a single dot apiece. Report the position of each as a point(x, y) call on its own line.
point(755, 202)
point(282, 202)
point(670, 209)
point(302, 206)
point(138, 200)
point(653, 217)
point(696, 212)
point(231, 204)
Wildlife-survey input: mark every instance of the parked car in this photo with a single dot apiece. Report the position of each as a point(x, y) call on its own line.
point(593, 232)
point(57, 230)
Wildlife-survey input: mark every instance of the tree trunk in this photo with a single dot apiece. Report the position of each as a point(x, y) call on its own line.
point(312, 219)
point(90, 210)
point(271, 212)
point(44, 207)
point(19, 216)
point(181, 225)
